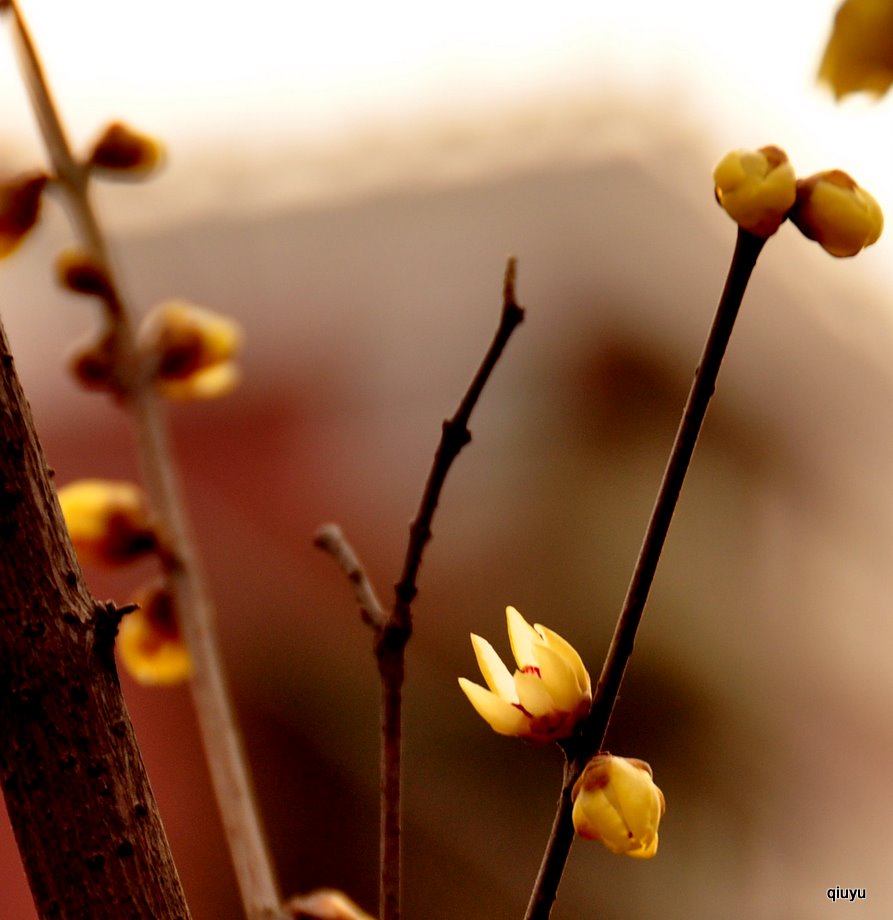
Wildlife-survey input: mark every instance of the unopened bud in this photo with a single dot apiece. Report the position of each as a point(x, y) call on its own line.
point(617, 802)
point(756, 188)
point(859, 54)
point(122, 152)
point(19, 209)
point(93, 364)
point(837, 213)
point(78, 271)
point(325, 904)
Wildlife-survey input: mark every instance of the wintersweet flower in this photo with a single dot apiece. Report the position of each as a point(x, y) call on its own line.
point(108, 522)
point(193, 348)
point(122, 152)
point(617, 802)
point(859, 54)
point(149, 642)
point(835, 212)
point(756, 188)
point(545, 698)
point(325, 904)
point(19, 209)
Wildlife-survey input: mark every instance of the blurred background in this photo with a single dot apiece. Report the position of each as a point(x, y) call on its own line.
point(347, 181)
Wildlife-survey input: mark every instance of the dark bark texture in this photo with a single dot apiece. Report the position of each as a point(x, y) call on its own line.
point(77, 793)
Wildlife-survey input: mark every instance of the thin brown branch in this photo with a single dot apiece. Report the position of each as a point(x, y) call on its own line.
point(393, 637)
point(591, 734)
point(187, 582)
point(331, 539)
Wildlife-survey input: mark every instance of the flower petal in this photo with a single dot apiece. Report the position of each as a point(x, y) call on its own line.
point(522, 637)
point(559, 679)
point(501, 716)
point(495, 673)
point(569, 654)
point(533, 694)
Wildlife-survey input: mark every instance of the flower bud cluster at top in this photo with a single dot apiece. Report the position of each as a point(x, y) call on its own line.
point(859, 54)
point(759, 191)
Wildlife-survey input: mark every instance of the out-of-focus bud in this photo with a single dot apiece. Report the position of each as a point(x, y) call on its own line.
point(19, 209)
point(545, 698)
point(835, 212)
point(80, 273)
point(324, 904)
point(122, 153)
point(756, 188)
point(859, 54)
point(617, 802)
point(149, 641)
point(93, 364)
point(108, 521)
point(193, 348)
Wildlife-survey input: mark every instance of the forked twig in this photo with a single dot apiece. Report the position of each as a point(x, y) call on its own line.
point(392, 632)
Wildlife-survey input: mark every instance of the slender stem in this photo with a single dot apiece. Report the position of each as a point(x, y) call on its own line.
point(187, 583)
point(392, 638)
point(591, 734)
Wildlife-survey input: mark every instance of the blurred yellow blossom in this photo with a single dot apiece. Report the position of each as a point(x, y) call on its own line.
point(324, 904)
point(193, 350)
point(545, 698)
point(108, 521)
point(835, 212)
point(149, 642)
point(756, 188)
point(617, 802)
point(859, 54)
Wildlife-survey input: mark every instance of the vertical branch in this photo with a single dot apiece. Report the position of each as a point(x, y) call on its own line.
point(187, 582)
point(77, 793)
point(591, 734)
point(392, 632)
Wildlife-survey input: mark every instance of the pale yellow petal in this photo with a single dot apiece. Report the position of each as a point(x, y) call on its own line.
point(533, 694)
point(569, 654)
point(522, 637)
point(559, 679)
point(495, 673)
point(501, 716)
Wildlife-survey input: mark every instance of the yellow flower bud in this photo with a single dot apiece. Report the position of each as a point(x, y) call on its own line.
point(545, 698)
point(149, 642)
point(193, 349)
point(617, 802)
point(108, 521)
point(835, 212)
point(325, 904)
point(79, 272)
point(124, 153)
point(92, 363)
point(859, 54)
point(19, 209)
point(756, 188)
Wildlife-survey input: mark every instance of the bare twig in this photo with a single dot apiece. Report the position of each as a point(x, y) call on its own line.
point(331, 539)
point(591, 733)
point(187, 583)
point(393, 632)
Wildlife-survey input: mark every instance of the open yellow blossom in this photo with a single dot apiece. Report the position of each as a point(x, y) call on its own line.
point(835, 212)
point(859, 54)
point(756, 188)
point(545, 698)
point(617, 802)
point(194, 349)
point(149, 642)
point(108, 521)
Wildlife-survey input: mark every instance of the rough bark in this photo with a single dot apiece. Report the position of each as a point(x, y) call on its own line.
point(77, 793)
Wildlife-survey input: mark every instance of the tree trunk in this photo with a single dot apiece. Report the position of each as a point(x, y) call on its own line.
point(77, 793)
